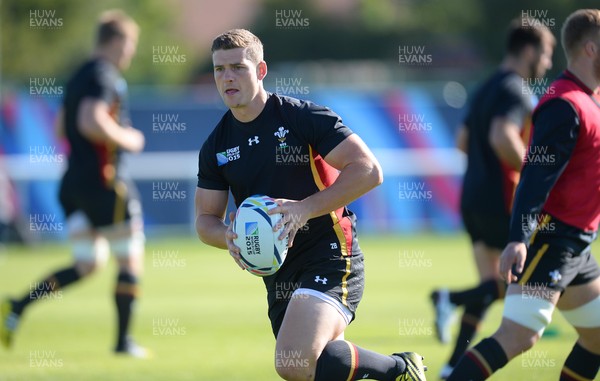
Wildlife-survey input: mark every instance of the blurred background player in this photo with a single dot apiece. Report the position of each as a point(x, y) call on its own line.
point(551, 258)
point(100, 205)
point(324, 262)
point(493, 136)
point(10, 230)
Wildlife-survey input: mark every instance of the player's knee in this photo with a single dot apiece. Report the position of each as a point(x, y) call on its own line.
point(90, 255)
point(519, 337)
point(586, 316)
point(590, 341)
point(524, 321)
point(293, 373)
point(292, 365)
point(132, 265)
point(531, 313)
point(286, 373)
point(515, 339)
point(86, 268)
point(586, 320)
point(131, 246)
point(526, 341)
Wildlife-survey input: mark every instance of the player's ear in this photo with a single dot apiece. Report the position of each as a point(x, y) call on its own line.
point(590, 49)
point(261, 70)
point(529, 53)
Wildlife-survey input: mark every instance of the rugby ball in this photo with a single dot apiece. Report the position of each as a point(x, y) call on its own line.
point(261, 250)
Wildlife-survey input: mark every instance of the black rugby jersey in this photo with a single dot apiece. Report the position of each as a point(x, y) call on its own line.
point(489, 184)
point(91, 163)
point(279, 154)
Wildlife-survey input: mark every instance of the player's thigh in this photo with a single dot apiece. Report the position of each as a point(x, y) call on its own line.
point(527, 311)
point(116, 215)
point(126, 242)
point(488, 236)
point(577, 296)
point(554, 268)
point(580, 306)
point(309, 324)
point(323, 272)
point(487, 260)
point(89, 250)
point(117, 211)
point(97, 214)
point(589, 338)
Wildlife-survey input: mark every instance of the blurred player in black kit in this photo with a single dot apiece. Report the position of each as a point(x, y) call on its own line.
point(244, 154)
point(548, 261)
point(493, 136)
point(102, 211)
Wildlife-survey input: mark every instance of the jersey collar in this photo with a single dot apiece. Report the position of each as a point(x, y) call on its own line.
point(570, 76)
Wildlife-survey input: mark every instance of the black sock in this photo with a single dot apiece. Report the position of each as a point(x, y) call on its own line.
point(469, 325)
point(581, 364)
point(125, 294)
point(47, 288)
point(342, 360)
point(486, 291)
point(479, 362)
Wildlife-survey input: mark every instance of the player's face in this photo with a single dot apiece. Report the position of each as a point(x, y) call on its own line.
point(237, 78)
point(126, 47)
point(596, 63)
point(543, 61)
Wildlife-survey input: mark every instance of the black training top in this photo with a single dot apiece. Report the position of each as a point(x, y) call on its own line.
point(489, 184)
point(279, 154)
point(94, 163)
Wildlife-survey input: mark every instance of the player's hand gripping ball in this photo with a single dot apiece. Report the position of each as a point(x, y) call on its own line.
point(261, 250)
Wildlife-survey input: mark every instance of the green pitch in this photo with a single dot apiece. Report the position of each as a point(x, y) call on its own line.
point(205, 319)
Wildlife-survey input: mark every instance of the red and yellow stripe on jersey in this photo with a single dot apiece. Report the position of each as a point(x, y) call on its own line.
point(324, 175)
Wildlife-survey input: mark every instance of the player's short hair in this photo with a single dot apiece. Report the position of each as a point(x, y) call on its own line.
point(524, 31)
point(115, 23)
point(579, 26)
point(240, 38)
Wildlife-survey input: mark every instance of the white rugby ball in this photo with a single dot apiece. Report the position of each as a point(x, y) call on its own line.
point(261, 250)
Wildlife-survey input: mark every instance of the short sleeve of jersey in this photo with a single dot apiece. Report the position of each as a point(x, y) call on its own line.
point(324, 128)
point(101, 83)
point(512, 101)
point(209, 175)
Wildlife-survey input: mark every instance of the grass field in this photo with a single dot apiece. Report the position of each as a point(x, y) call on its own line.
point(205, 319)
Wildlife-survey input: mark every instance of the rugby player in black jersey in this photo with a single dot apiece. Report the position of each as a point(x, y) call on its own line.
point(292, 150)
point(493, 136)
point(548, 261)
point(101, 208)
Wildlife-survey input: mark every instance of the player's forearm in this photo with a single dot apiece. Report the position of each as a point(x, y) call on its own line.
point(532, 192)
point(526, 211)
point(96, 124)
point(511, 151)
point(59, 123)
point(513, 155)
point(126, 138)
point(211, 230)
point(353, 181)
point(129, 139)
point(462, 139)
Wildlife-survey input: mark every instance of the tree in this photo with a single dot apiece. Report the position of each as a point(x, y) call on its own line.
point(49, 39)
